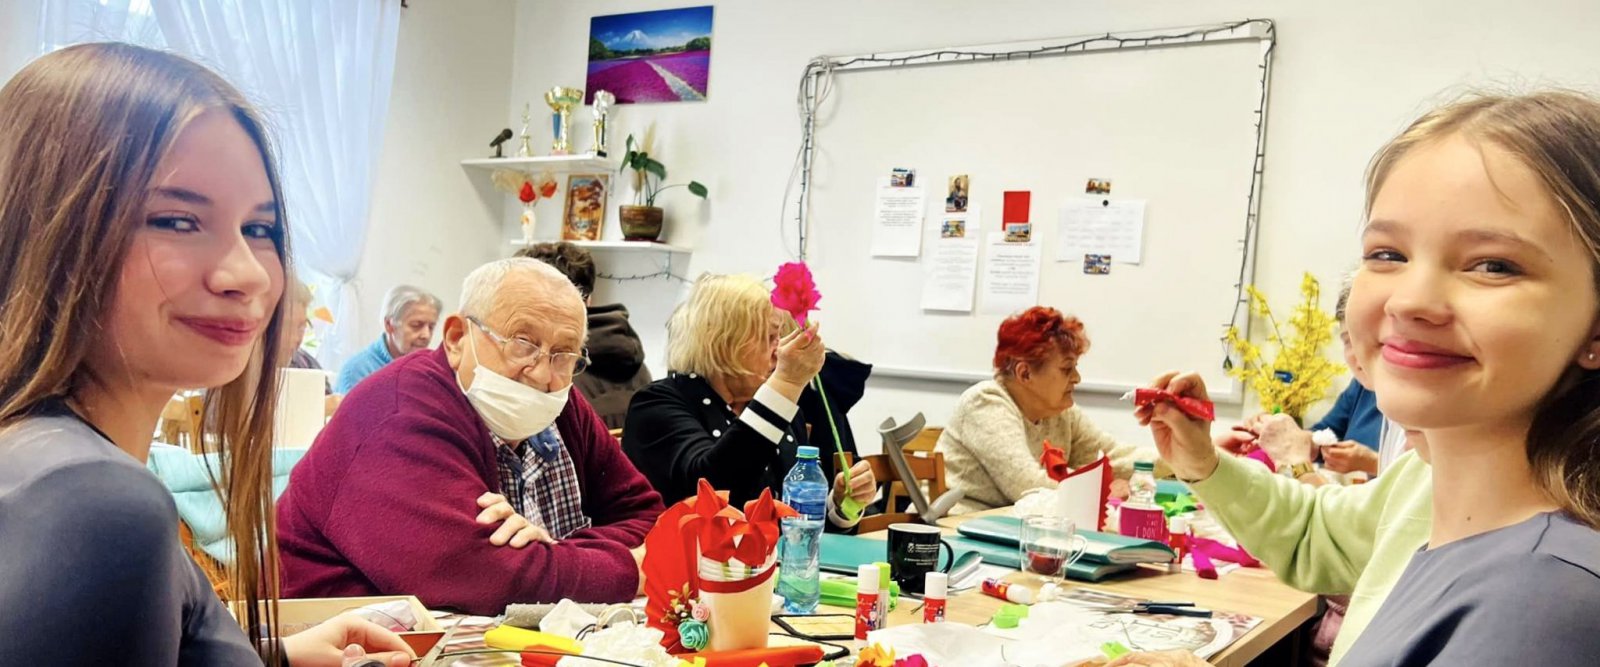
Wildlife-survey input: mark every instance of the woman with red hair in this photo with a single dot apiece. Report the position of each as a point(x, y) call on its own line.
point(994, 439)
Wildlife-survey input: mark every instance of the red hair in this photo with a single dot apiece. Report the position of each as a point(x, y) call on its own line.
point(1031, 335)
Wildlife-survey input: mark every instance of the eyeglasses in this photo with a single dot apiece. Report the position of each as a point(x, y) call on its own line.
point(524, 352)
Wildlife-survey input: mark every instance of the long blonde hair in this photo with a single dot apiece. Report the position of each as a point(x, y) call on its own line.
point(85, 128)
point(1556, 135)
point(723, 315)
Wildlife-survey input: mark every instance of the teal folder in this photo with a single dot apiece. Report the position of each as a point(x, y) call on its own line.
point(844, 554)
point(1104, 548)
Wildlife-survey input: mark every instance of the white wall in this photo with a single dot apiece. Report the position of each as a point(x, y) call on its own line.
point(19, 35)
point(432, 221)
point(1348, 75)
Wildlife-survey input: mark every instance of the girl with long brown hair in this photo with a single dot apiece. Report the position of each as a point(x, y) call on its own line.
point(143, 244)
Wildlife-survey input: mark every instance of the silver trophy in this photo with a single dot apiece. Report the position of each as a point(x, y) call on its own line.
point(526, 149)
point(601, 108)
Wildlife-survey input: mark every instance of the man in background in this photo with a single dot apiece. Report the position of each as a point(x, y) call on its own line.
point(409, 316)
point(616, 356)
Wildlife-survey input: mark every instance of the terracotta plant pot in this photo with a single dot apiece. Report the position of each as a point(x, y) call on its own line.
point(640, 223)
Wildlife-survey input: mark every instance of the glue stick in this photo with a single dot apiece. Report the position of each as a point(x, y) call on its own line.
point(1007, 592)
point(884, 592)
point(866, 600)
point(934, 587)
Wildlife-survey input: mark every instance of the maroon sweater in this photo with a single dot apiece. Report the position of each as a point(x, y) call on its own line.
point(385, 503)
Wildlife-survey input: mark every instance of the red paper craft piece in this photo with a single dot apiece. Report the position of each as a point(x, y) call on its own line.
point(1054, 461)
point(526, 194)
point(1191, 406)
point(794, 291)
point(704, 525)
point(1017, 204)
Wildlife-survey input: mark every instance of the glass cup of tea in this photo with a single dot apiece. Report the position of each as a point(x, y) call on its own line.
point(1049, 545)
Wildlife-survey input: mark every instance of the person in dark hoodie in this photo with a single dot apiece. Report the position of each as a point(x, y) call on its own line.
point(616, 356)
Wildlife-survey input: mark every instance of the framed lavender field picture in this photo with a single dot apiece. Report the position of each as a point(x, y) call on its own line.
point(659, 56)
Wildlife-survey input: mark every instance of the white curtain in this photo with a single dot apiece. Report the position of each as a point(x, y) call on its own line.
point(67, 22)
point(321, 71)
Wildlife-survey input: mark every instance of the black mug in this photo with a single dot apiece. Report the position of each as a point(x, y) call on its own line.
point(914, 552)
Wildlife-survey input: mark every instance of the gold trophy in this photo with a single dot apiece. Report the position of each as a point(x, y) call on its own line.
point(601, 108)
point(562, 100)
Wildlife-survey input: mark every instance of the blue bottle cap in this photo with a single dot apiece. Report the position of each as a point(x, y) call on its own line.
point(806, 452)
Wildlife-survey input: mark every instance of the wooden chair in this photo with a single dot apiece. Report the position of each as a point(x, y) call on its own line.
point(180, 422)
point(926, 467)
point(925, 440)
point(884, 472)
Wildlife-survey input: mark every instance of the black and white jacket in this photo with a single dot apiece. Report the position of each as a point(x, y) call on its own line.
point(679, 430)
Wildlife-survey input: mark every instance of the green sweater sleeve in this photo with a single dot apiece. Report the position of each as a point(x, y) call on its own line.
point(1316, 539)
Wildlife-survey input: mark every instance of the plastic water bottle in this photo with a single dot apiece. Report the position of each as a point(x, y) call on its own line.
point(806, 490)
point(1140, 516)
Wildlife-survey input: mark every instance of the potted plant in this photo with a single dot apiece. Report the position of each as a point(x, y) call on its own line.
point(641, 221)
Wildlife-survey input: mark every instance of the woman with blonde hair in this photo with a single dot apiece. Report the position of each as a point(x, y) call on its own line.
point(141, 224)
point(1476, 314)
point(728, 409)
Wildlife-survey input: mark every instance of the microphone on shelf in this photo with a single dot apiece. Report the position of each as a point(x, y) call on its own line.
point(504, 136)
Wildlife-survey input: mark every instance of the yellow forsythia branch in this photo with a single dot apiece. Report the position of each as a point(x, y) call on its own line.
point(1301, 373)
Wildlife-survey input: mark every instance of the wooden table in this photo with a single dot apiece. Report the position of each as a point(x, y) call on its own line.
point(1252, 591)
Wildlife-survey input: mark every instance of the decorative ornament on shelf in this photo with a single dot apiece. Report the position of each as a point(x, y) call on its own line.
point(529, 190)
point(1301, 373)
point(642, 221)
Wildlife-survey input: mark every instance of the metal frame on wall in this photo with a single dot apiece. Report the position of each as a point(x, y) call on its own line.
point(817, 82)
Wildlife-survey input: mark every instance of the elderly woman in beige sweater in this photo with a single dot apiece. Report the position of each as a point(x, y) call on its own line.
point(994, 439)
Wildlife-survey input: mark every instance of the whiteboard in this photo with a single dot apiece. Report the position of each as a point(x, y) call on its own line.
point(1176, 127)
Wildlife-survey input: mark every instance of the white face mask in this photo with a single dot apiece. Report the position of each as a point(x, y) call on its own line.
point(512, 410)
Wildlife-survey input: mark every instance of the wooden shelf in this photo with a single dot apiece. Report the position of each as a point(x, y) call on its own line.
point(581, 163)
point(616, 246)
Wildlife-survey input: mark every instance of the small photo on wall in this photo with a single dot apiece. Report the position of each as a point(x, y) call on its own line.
point(585, 211)
point(1097, 186)
point(1097, 265)
point(953, 228)
point(955, 199)
point(1019, 232)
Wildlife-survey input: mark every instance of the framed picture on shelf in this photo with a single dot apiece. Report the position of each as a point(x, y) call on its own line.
point(585, 211)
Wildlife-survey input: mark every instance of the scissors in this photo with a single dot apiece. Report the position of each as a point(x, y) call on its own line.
point(1153, 607)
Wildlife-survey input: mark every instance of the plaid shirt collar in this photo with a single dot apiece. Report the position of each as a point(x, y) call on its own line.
point(538, 478)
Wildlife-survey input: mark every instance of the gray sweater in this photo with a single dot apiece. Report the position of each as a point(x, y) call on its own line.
point(1526, 594)
point(91, 569)
point(991, 452)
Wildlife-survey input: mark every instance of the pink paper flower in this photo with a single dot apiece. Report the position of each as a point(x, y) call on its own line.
point(699, 612)
point(912, 661)
point(795, 293)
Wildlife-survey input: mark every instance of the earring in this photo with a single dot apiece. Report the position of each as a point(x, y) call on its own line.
point(1591, 356)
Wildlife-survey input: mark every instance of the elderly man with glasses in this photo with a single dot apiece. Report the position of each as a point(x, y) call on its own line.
point(473, 476)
